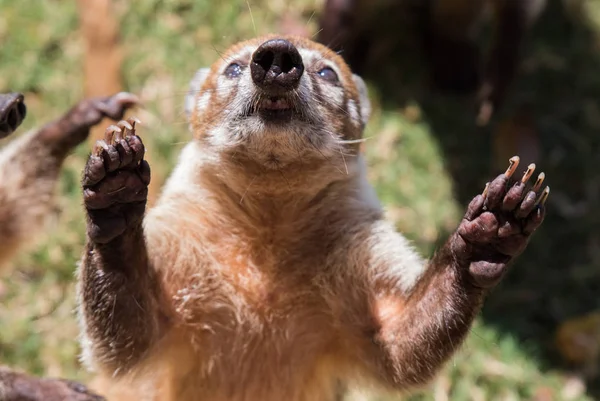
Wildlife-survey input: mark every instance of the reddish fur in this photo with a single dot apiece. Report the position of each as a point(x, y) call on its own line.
point(261, 279)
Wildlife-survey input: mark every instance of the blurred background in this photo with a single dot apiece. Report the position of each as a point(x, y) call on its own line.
point(538, 336)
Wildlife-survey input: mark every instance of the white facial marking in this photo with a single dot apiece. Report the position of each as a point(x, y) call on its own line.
point(320, 106)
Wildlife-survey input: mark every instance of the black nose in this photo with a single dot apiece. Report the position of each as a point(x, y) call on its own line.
point(12, 112)
point(276, 66)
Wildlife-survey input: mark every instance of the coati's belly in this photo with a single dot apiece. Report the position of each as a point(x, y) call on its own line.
point(261, 368)
point(268, 370)
point(232, 353)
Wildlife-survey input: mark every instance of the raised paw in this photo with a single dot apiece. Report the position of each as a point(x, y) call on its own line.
point(498, 223)
point(12, 112)
point(74, 127)
point(115, 182)
point(91, 111)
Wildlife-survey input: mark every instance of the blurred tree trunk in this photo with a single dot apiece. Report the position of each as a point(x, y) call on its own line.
point(103, 59)
point(103, 53)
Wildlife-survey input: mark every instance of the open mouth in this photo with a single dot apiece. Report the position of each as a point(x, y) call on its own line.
point(274, 108)
point(274, 104)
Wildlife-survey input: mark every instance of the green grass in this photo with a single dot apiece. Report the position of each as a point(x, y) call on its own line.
point(426, 160)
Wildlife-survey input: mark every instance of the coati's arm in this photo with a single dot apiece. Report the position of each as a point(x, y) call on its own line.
point(17, 386)
point(30, 165)
point(117, 289)
point(414, 332)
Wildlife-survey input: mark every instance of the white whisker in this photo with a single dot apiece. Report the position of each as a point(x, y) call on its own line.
point(251, 16)
point(351, 141)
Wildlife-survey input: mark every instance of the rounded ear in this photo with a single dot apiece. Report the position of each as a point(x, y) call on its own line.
point(195, 85)
point(363, 99)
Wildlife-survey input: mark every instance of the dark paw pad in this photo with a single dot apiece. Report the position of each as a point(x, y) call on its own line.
point(115, 182)
point(499, 223)
point(12, 112)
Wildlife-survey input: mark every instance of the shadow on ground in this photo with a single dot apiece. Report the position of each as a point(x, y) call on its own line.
point(558, 277)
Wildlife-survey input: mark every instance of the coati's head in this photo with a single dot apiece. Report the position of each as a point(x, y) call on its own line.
point(278, 100)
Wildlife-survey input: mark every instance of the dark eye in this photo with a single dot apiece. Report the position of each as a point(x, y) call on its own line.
point(233, 70)
point(328, 74)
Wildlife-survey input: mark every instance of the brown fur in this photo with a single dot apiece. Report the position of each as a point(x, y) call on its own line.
point(265, 278)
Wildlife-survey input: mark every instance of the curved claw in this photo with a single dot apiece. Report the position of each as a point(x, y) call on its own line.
point(124, 124)
point(128, 97)
point(110, 133)
point(528, 173)
point(512, 167)
point(126, 130)
point(485, 190)
point(99, 146)
point(538, 182)
point(133, 121)
point(543, 197)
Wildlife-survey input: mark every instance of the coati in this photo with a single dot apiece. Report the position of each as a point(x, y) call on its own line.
point(266, 270)
point(451, 33)
point(29, 168)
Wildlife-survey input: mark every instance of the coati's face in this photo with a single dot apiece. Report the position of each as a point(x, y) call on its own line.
point(279, 100)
